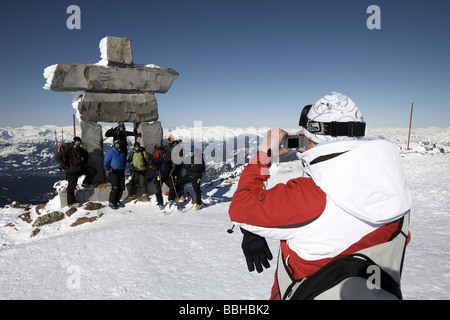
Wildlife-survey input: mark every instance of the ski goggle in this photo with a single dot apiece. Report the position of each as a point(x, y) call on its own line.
point(77, 143)
point(304, 116)
point(334, 128)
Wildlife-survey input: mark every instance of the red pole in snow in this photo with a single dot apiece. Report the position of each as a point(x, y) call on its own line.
point(410, 121)
point(74, 130)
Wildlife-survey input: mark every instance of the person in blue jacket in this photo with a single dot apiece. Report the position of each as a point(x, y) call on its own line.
point(115, 163)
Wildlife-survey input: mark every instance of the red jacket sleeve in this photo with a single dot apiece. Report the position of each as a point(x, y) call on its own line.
point(289, 205)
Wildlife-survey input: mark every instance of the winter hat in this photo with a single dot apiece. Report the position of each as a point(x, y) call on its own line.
point(77, 140)
point(333, 117)
point(137, 144)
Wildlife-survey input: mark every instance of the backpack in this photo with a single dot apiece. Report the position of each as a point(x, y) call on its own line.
point(346, 278)
point(62, 150)
point(157, 156)
point(350, 277)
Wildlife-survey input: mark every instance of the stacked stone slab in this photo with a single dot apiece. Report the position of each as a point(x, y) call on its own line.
point(113, 90)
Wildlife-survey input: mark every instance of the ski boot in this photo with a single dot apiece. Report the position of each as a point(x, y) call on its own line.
point(113, 206)
point(173, 203)
point(120, 205)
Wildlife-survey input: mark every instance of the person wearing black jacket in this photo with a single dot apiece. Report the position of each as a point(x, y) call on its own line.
point(177, 168)
point(194, 164)
point(121, 134)
point(161, 163)
point(73, 159)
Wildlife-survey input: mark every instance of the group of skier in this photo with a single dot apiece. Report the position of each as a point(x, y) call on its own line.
point(145, 166)
point(171, 174)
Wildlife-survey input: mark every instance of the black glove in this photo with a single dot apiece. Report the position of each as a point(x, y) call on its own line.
point(256, 251)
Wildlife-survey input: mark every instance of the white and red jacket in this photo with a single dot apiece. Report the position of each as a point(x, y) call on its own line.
point(352, 198)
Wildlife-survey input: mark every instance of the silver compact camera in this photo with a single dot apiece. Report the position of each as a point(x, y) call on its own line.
point(293, 142)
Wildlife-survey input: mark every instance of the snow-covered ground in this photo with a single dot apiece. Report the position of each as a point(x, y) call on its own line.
point(138, 252)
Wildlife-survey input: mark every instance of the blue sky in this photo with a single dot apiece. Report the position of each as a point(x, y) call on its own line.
point(241, 63)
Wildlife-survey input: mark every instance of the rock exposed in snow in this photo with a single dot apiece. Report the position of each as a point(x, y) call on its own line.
point(48, 218)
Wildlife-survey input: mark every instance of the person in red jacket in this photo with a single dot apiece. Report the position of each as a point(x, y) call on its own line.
point(352, 198)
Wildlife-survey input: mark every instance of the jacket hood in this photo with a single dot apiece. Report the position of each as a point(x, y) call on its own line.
point(364, 178)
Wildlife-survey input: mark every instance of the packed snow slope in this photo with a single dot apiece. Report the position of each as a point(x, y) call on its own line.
point(139, 252)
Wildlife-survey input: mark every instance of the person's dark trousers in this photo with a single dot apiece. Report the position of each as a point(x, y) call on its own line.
point(169, 183)
point(195, 185)
point(72, 179)
point(139, 179)
point(117, 179)
point(177, 174)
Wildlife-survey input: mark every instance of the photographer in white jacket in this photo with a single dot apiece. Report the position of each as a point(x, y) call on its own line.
point(350, 211)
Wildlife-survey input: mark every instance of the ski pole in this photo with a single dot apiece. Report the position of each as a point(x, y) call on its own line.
point(175, 189)
point(231, 229)
point(160, 190)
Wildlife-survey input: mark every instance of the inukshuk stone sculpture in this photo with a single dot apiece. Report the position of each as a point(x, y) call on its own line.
point(113, 90)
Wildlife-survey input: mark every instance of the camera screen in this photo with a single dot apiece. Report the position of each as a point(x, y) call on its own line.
point(293, 143)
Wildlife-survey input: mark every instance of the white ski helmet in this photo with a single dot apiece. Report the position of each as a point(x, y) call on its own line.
point(333, 117)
